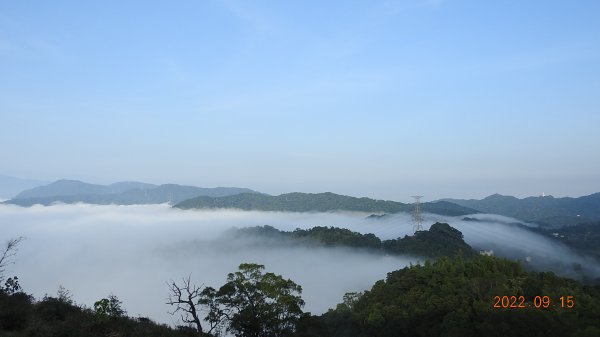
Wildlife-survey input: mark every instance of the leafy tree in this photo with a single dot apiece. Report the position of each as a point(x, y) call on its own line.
point(109, 307)
point(11, 286)
point(64, 295)
point(254, 304)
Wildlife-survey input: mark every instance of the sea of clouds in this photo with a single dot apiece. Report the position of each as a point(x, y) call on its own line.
point(132, 251)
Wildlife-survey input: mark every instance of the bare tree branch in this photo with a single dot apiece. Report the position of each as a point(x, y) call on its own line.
point(10, 250)
point(184, 298)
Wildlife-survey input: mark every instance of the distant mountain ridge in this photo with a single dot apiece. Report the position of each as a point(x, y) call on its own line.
point(120, 193)
point(317, 202)
point(66, 187)
point(544, 210)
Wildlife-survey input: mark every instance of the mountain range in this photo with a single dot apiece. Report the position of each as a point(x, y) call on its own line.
point(189, 197)
point(317, 202)
point(121, 193)
point(546, 211)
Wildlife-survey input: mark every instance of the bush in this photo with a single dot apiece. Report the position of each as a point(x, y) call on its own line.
point(15, 310)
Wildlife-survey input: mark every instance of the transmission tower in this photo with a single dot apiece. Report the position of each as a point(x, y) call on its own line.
point(416, 216)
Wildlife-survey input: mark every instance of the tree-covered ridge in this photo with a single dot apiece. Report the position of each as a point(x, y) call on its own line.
point(316, 202)
point(455, 297)
point(440, 240)
point(584, 237)
point(315, 236)
point(544, 210)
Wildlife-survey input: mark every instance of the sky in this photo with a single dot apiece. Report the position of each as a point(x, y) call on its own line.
point(384, 99)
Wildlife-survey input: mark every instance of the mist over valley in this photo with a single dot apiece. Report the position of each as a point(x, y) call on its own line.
point(131, 251)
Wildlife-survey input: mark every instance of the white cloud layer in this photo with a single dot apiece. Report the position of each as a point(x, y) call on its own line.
point(132, 251)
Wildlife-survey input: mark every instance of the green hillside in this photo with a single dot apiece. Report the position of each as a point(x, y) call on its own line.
point(317, 202)
point(456, 297)
point(440, 240)
point(584, 237)
point(544, 210)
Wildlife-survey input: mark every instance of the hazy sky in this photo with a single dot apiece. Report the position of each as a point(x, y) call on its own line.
point(383, 99)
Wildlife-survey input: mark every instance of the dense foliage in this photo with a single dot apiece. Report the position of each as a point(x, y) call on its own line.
point(318, 202)
point(21, 315)
point(254, 304)
point(315, 236)
point(331, 236)
point(439, 240)
point(455, 297)
point(583, 237)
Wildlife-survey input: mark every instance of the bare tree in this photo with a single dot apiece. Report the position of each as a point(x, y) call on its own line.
point(9, 251)
point(185, 298)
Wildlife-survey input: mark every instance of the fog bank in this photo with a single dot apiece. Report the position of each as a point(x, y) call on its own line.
point(132, 251)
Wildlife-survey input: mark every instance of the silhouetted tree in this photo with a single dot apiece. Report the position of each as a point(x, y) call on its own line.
point(11, 286)
point(185, 297)
point(9, 251)
point(109, 307)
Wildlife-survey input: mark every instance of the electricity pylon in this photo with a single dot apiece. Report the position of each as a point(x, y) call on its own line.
point(417, 218)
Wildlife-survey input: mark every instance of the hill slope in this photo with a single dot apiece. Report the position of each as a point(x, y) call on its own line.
point(546, 211)
point(584, 237)
point(21, 315)
point(66, 187)
point(318, 202)
point(456, 297)
point(439, 240)
point(121, 193)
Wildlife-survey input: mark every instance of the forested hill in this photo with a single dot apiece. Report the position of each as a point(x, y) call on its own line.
point(584, 237)
point(544, 210)
point(440, 240)
point(121, 193)
point(317, 202)
point(456, 297)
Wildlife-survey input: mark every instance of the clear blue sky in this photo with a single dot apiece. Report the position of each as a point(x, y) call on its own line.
point(384, 99)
